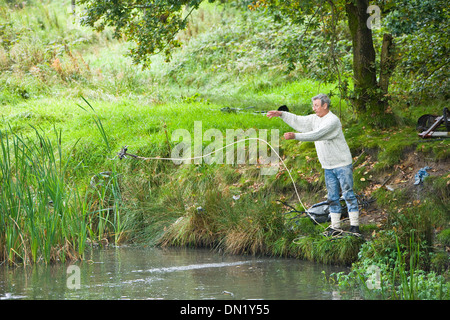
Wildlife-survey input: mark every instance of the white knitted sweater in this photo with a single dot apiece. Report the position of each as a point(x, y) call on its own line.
point(326, 132)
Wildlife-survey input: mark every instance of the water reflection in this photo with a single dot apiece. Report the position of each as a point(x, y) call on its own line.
point(153, 273)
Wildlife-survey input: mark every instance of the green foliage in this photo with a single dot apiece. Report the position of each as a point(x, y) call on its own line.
point(39, 51)
point(388, 269)
point(321, 46)
point(151, 25)
point(422, 30)
point(444, 237)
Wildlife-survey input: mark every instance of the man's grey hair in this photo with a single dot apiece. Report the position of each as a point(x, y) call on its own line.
point(323, 99)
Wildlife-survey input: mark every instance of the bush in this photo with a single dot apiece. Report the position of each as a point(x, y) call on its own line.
point(444, 237)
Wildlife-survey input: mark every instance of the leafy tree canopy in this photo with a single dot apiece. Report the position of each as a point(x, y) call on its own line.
point(151, 24)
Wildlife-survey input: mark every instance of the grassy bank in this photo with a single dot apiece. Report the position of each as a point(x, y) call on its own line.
point(71, 100)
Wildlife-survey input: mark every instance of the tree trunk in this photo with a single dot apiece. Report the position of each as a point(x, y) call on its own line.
point(387, 63)
point(367, 98)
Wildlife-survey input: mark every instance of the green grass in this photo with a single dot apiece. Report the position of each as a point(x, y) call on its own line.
point(229, 60)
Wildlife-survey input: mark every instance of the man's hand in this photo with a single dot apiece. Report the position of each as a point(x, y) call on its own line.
point(273, 113)
point(289, 135)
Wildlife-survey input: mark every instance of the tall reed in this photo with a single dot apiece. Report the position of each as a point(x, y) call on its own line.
point(106, 199)
point(41, 213)
point(44, 214)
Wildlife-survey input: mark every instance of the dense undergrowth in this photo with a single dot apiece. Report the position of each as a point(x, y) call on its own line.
point(71, 100)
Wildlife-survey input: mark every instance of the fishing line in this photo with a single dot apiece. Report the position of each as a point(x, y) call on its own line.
point(123, 153)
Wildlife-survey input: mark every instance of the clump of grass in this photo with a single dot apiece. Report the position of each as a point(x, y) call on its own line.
point(260, 225)
point(42, 214)
point(247, 225)
point(321, 249)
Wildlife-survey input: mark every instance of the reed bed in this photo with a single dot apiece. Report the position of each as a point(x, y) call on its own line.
point(42, 216)
point(44, 213)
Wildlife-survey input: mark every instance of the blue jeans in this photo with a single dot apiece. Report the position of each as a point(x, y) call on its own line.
point(341, 179)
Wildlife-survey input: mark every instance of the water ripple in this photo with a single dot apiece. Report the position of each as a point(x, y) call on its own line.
point(196, 266)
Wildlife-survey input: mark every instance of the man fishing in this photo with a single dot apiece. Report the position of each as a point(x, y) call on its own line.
point(325, 129)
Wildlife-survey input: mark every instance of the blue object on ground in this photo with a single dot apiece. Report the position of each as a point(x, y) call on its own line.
point(421, 174)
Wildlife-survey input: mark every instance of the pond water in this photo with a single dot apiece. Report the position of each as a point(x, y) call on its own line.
point(175, 273)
